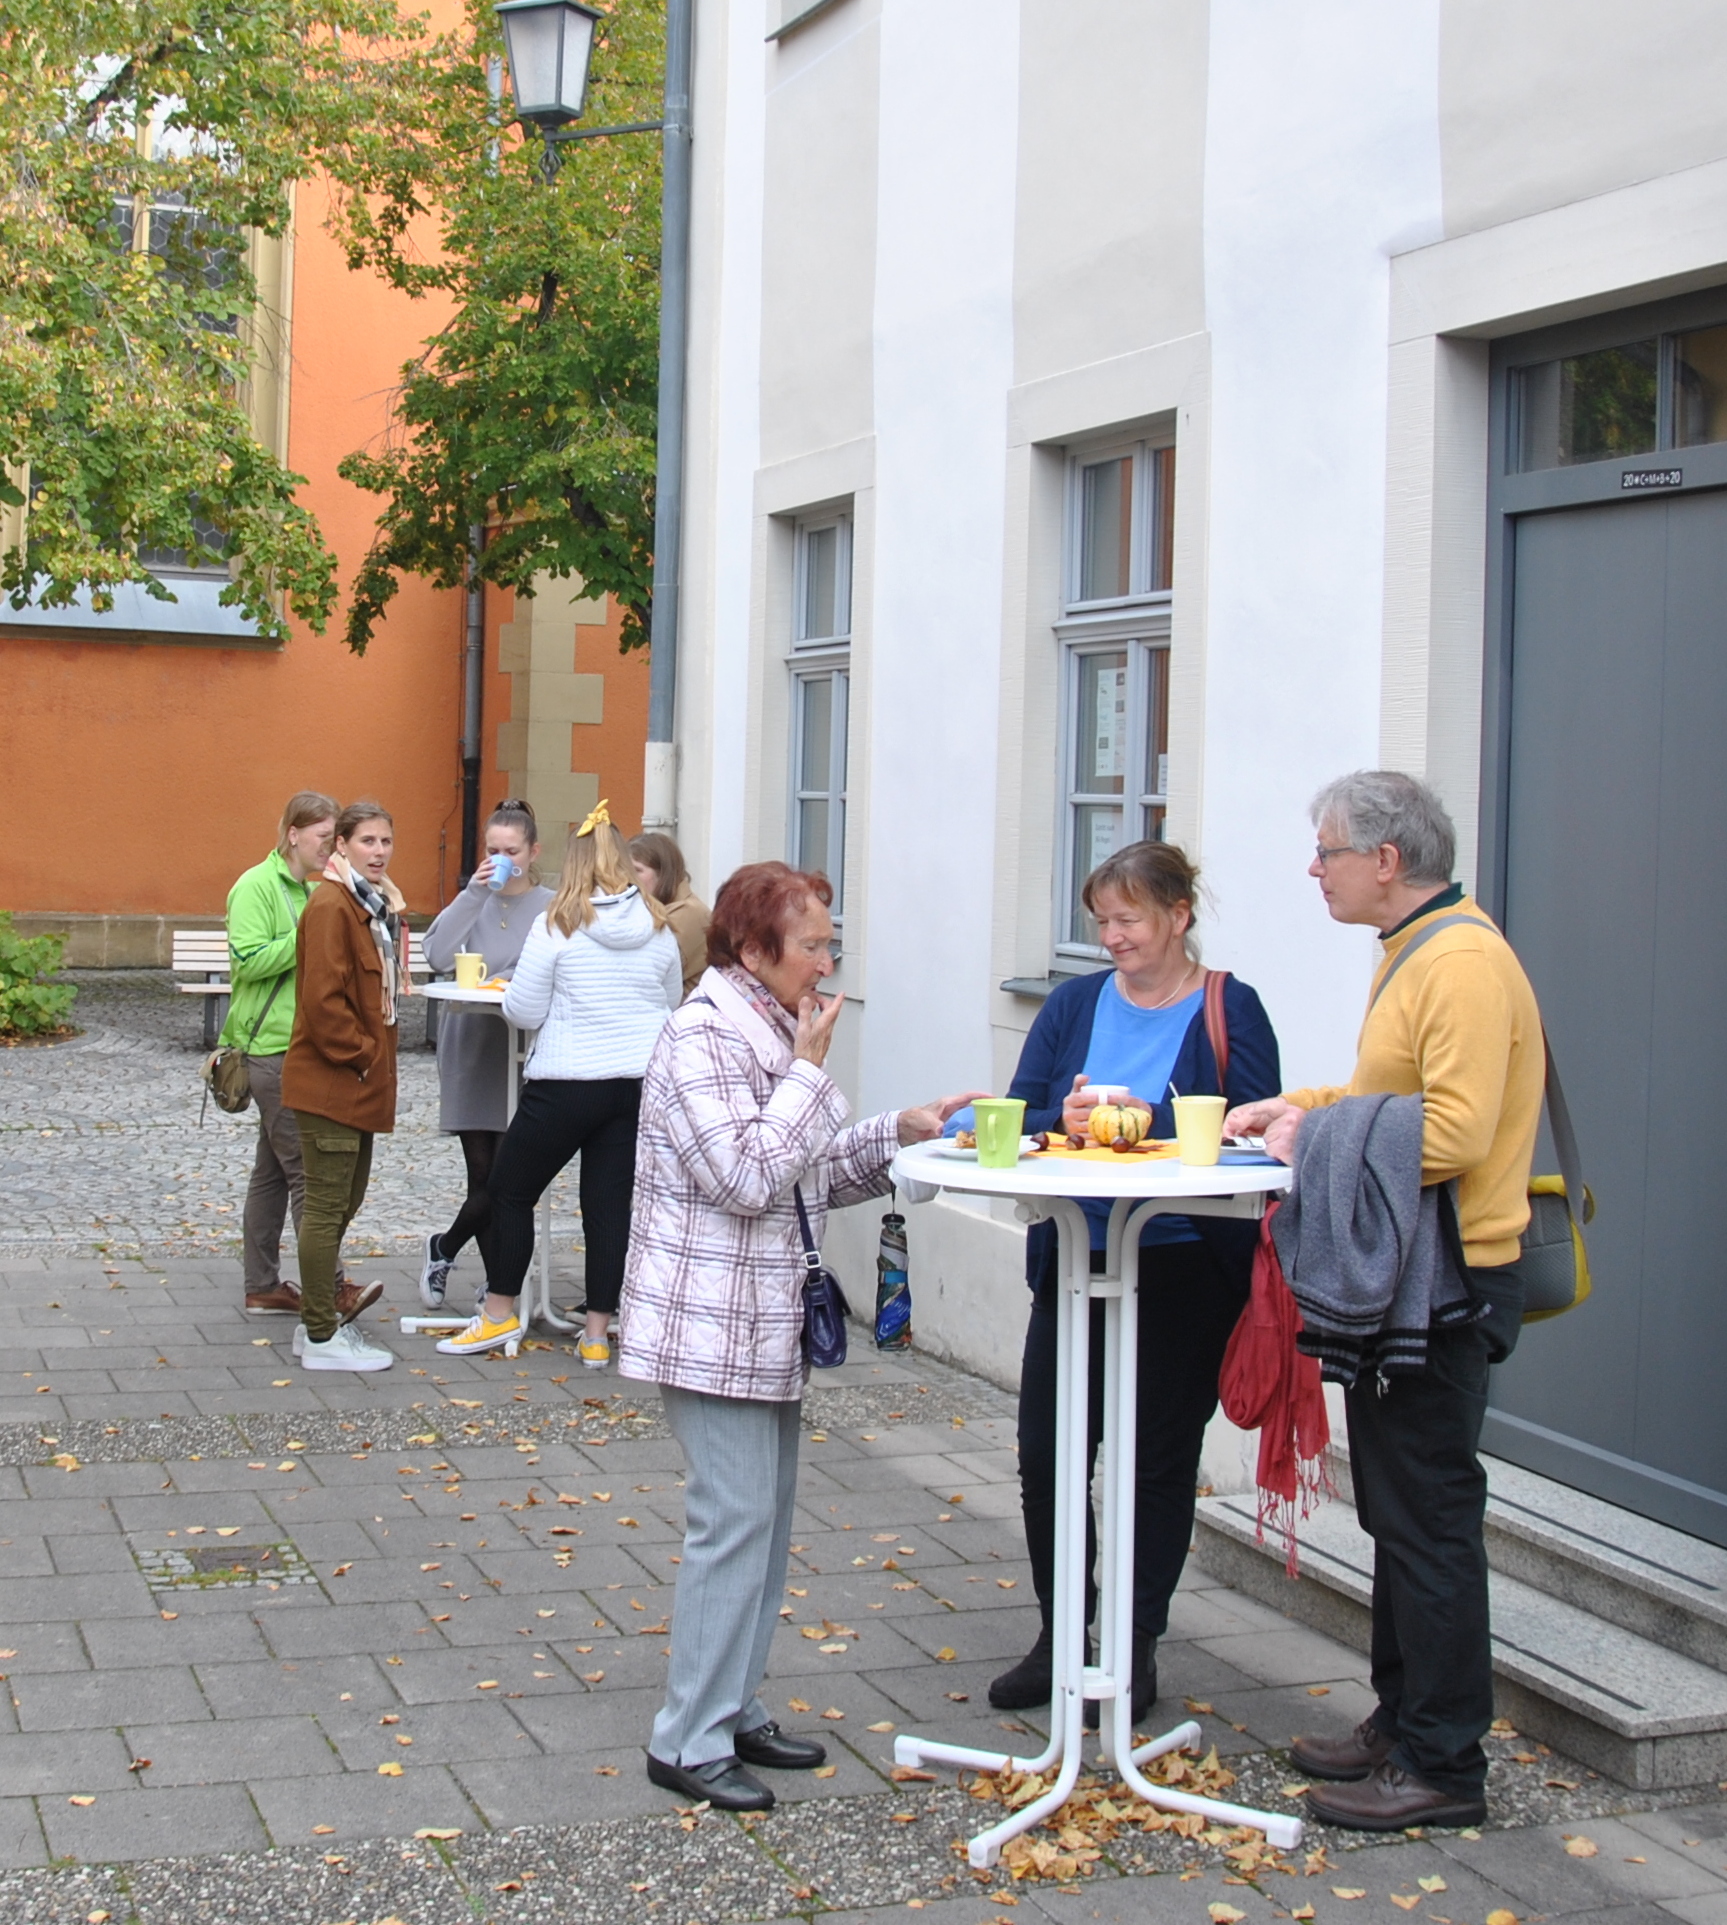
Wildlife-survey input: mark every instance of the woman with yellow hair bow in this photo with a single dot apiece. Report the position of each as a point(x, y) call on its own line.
point(598, 976)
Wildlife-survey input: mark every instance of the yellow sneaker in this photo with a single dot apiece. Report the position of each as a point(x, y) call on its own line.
point(595, 1355)
point(482, 1334)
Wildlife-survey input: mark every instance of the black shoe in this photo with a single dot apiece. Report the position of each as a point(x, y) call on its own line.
point(769, 1747)
point(1030, 1681)
point(724, 1784)
point(1144, 1679)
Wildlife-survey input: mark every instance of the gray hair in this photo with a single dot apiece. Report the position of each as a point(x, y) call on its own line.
point(1375, 806)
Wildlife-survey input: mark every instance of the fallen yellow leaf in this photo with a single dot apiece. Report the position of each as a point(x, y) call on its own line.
point(946, 1654)
point(1222, 1914)
point(1348, 1891)
point(391, 1770)
point(1581, 1847)
point(1319, 1691)
point(80, 1801)
point(797, 1704)
point(1502, 1917)
point(1297, 1911)
point(487, 1684)
point(885, 1725)
point(833, 1714)
point(1432, 1883)
point(1405, 1904)
point(438, 1831)
point(826, 1771)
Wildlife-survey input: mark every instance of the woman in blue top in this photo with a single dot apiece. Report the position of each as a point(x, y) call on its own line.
point(1140, 1026)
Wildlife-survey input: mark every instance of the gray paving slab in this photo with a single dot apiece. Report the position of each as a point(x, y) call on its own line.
point(149, 1824)
point(361, 1805)
point(40, 1763)
point(231, 1751)
point(96, 1700)
point(302, 1684)
point(22, 1842)
point(1536, 1869)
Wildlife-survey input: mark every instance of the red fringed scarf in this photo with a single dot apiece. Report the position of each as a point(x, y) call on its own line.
point(1267, 1385)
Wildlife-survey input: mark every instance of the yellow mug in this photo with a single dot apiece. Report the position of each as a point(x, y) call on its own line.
point(1000, 1120)
point(470, 970)
point(1199, 1128)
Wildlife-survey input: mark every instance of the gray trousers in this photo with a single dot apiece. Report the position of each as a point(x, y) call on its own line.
point(278, 1180)
point(741, 1471)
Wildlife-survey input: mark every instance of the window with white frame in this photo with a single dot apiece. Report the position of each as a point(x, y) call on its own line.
point(1114, 642)
point(821, 688)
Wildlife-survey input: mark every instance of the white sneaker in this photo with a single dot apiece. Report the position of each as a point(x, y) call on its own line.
point(434, 1276)
point(346, 1350)
point(299, 1340)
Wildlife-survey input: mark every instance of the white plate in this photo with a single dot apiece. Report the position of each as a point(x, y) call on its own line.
point(952, 1150)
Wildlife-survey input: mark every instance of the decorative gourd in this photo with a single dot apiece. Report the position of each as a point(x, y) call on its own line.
point(1110, 1121)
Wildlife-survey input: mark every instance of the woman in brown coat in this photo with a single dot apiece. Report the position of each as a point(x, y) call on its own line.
point(339, 1077)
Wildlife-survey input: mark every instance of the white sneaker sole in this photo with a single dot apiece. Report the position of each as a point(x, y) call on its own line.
point(315, 1362)
point(451, 1348)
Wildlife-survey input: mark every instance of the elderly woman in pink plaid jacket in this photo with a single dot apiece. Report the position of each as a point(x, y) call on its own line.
point(737, 1109)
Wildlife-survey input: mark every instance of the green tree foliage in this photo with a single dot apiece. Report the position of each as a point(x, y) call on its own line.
point(533, 409)
point(29, 1006)
point(120, 364)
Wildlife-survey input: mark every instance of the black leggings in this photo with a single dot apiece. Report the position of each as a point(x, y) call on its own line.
point(1188, 1305)
point(473, 1219)
point(553, 1121)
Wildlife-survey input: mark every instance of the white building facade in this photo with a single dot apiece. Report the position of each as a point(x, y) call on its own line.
point(1117, 418)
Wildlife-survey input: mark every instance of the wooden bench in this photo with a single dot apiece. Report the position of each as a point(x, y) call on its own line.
point(204, 952)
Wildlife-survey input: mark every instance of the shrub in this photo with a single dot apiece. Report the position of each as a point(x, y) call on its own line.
point(28, 1005)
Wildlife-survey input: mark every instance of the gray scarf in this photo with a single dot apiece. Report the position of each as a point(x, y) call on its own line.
point(1364, 1245)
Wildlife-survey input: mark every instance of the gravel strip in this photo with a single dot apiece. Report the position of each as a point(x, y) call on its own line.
point(377, 1879)
point(65, 1895)
point(622, 1868)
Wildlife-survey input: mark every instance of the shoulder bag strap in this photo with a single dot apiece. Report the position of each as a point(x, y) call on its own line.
point(1415, 942)
point(1558, 1112)
point(1217, 1024)
point(275, 991)
point(812, 1256)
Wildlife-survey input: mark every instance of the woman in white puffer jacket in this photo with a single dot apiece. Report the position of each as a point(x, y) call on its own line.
point(598, 976)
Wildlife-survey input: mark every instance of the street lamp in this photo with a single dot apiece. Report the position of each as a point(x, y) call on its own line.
point(548, 44)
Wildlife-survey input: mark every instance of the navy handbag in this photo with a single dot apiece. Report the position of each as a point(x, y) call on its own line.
point(825, 1306)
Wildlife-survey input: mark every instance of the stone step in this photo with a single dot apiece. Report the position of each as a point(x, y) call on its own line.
point(1626, 1569)
point(1648, 1716)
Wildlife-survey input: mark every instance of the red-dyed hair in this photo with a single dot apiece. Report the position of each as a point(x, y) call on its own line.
point(754, 905)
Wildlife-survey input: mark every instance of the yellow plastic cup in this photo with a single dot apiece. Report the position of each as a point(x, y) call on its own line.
point(1199, 1128)
point(1000, 1120)
point(470, 970)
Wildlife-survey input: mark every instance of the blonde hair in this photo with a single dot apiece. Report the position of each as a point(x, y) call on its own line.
point(595, 864)
point(300, 811)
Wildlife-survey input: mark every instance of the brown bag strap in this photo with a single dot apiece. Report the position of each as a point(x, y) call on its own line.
point(1217, 1024)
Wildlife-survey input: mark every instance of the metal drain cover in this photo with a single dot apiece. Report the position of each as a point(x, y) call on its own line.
point(202, 1566)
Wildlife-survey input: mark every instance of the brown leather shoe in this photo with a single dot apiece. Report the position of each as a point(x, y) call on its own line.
point(1343, 1758)
point(352, 1298)
point(280, 1300)
point(1389, 1799)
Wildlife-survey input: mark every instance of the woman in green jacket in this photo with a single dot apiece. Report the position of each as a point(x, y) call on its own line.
point(264, 909)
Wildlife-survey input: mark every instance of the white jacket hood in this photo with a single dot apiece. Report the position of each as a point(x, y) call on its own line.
point(621, 922)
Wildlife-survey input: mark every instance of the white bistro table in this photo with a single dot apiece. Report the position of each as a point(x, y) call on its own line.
point(537, 1297)
point(1140, 1188)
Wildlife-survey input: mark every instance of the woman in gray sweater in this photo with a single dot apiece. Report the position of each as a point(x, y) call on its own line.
point(492, 917)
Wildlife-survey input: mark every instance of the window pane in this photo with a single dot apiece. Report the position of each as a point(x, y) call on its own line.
point(816, 733)
point(1700, 387)
point(813, 835)
point(1162, 516)
point(1592, 407)
point(1105, 529)
point(1100, 749)
point(1096, 834)
point(835, 866)
point(1157, 722)
point(821, 578)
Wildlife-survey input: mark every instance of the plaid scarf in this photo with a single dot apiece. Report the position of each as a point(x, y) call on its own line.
point(383, 909)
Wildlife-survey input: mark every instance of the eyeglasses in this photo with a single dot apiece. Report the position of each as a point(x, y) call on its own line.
point(1323, 855)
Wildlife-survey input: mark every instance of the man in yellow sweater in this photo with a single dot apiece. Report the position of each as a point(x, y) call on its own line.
point(1458, 1027)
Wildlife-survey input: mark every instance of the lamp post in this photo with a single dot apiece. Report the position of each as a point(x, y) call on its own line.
point(548, 44)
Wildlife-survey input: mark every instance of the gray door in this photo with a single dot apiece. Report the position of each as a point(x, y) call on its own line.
point(1616, 899)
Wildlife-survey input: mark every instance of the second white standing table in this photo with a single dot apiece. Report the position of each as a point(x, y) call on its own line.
point(540, 1283)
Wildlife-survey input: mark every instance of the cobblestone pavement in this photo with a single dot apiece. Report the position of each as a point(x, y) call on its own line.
point(331, 1650)
point(122, 1102)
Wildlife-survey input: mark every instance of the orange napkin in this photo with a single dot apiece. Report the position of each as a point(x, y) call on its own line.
point(1097, 1153)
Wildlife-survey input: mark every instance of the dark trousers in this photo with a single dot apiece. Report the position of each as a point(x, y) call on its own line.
point(1188, 1306)
point(553, 1122)
point(1421, 1494)
point(473, 1219)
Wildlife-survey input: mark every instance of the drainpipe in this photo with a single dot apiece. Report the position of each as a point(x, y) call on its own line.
point(473, 693)
point(660, 771)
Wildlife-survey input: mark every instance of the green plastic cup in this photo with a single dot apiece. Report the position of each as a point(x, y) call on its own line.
point(1000, 1120)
